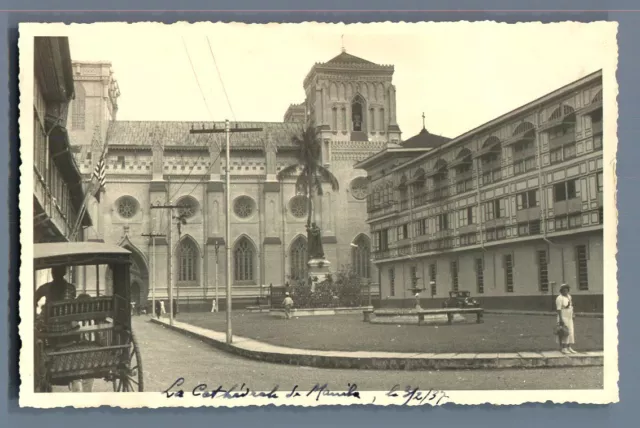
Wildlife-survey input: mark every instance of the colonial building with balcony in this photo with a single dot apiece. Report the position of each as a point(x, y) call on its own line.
point(58, 191)
point(57, 186)
point(507, 211)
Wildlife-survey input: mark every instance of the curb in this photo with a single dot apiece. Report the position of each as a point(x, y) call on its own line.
point(507, 312)
point(260, 351)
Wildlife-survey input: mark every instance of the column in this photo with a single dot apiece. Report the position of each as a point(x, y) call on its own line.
point(270, 151)
point(271, 252)
point(158, 161)
point(392, 105)
point(160, 220)
point(318, 106)
point(214, 156)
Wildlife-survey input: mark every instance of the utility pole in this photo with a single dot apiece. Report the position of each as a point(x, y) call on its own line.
point(169, 244)
point(181, 220)
point(227, 130)
point(153, 237)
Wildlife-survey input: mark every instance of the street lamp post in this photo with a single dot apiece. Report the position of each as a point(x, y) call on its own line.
point(217, 246)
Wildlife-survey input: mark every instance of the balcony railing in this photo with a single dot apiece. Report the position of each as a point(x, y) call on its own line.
point(441, 193)
point(385, 254)
point(466, 175)
point(524, 154)
point(382, 208)
point(557, 142)
point(421, 199)
point(491, 166)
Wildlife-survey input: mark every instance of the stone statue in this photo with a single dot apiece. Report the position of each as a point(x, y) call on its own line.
point(314, 238)
point(357, 123)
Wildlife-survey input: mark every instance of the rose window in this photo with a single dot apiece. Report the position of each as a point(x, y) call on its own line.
point(359, 188)
point(127, 207)
point(188, 207)
point(298, 206)
point(243, 206)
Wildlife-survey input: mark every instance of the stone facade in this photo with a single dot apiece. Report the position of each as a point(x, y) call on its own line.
point(148, 163)
point(508, 211)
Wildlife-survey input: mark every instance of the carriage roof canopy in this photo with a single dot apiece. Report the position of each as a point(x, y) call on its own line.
point(49, 255)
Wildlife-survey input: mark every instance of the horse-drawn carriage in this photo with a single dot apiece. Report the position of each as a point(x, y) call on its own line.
point(90, 337)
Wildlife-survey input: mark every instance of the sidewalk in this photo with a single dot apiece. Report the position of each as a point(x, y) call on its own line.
point(256, 350)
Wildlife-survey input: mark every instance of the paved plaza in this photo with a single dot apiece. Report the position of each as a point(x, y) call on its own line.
point(168, 355)
point(498, 333)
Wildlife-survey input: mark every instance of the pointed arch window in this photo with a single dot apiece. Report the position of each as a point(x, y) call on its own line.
point(361, 257)
point(243, 256)
point(298, 259)
point(357, 112)
point(187, 261)
point(79, 105)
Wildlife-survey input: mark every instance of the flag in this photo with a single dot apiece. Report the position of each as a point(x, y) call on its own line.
point(100, 175)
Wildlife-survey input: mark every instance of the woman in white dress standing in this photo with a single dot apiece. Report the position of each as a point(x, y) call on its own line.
point(564, 306)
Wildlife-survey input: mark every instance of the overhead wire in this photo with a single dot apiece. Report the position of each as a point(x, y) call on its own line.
point(204, 99)
point(224, 89)
point(204, 176)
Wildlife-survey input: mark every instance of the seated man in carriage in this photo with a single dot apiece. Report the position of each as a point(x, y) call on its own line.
point(58, 289)
point(54, 291)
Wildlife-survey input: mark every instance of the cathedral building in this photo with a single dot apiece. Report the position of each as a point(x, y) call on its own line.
point(153, 163)
point(506, 212)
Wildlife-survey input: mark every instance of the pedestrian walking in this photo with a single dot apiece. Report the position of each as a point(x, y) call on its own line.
point(162, 308)
point(158, 309)
point(564, 330)
point(288, 304)
point(214, 306)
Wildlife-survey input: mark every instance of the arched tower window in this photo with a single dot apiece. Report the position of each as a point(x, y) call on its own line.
point(188, 261)
point(357, 111)
point(361, 256)
point(243, 256)
point(78, 116)
point(298, 259)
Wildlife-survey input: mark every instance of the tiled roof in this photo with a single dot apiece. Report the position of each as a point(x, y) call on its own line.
point(345, 58)
point(144, 133)
point(346, 61)
point(425, 140)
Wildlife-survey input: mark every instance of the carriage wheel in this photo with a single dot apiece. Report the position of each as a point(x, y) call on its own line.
point(129, 378)
point(41, 377)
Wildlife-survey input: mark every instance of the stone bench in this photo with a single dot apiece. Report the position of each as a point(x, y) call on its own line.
point(421, 313)
point(366, 315)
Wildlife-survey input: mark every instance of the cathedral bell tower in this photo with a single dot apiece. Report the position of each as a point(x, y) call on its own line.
point(352, 99)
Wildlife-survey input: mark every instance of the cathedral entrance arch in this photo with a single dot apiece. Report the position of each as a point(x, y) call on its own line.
point(135, 294)
point(139, 274)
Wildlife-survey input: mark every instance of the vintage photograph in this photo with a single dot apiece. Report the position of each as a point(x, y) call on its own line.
point(317, 214)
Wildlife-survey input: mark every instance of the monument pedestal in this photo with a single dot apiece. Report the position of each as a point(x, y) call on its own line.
point(318, 271)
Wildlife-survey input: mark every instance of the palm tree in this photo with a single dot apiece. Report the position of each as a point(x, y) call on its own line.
point(309, 161)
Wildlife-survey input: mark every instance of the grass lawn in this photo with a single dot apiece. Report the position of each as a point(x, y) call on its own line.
point(498, 333)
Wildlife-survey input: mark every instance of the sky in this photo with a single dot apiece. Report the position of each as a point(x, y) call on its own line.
point(460, 75)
